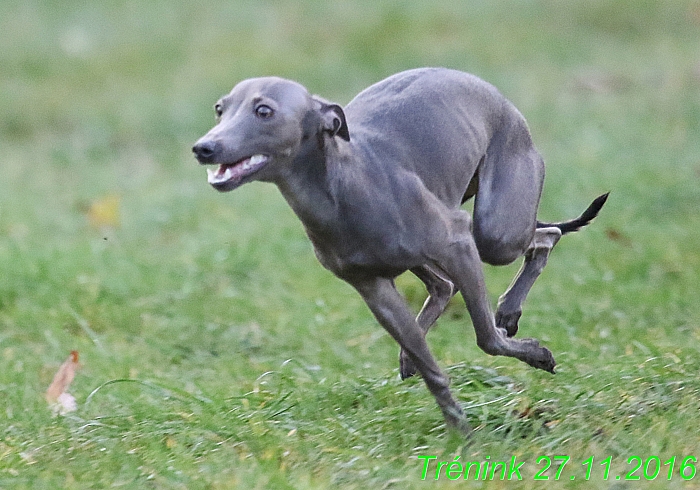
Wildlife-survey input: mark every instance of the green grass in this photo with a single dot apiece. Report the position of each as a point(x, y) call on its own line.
point(217, 353)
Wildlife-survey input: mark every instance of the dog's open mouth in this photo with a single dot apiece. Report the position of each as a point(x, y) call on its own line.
point(232, 173)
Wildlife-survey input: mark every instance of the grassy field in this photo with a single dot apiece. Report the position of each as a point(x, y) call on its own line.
point(216, 352)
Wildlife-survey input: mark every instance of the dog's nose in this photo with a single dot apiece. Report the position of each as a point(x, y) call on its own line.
point(205, 150)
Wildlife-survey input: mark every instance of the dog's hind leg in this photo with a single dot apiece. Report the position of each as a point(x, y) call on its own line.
point(461, 263)
point(510, 303)
point(440, 291)
point(546, 237)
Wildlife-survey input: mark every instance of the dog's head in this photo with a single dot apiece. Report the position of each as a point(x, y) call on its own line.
point(262, 125)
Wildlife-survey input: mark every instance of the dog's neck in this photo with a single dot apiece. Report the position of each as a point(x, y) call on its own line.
point(309, 189)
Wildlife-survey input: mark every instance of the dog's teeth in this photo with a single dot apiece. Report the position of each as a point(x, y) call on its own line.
point(216, 176)
point(253, 161)
point(256, 159)
point(211, 175)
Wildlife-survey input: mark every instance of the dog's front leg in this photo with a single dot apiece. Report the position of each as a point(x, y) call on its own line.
point(392, 312)
point(440, 291)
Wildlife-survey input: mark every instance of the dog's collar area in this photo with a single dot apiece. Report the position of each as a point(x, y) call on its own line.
point(233, 172)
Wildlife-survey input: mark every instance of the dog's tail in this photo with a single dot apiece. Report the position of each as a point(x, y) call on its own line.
point(578, 223)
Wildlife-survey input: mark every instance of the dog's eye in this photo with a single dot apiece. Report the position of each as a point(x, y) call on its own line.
point(218, 109)
point(264, 111)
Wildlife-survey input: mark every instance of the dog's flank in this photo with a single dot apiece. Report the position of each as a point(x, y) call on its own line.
point(378, 186)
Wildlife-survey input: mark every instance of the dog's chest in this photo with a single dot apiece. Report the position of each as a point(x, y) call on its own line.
point(358, 258)
point(375, 244)
point(380, 223)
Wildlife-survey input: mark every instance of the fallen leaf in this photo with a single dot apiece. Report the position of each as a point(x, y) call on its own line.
point(617, 236)
point(66, 403)
point(104, 212)
point(57, 396)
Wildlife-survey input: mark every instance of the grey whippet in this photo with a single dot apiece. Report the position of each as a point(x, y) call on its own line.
point(378, 187)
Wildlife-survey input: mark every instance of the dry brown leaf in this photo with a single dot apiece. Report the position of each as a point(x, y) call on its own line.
point(56, 395)
point(617, 236)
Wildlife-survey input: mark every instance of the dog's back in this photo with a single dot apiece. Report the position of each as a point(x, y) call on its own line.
point(435, 122)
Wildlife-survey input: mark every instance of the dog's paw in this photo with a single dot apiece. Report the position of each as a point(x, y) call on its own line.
point(406, 367)
point(538, 356)
point(508, 321)
point(456, 421)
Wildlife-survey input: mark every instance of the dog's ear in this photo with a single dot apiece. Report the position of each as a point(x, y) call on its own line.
point(333, 119)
